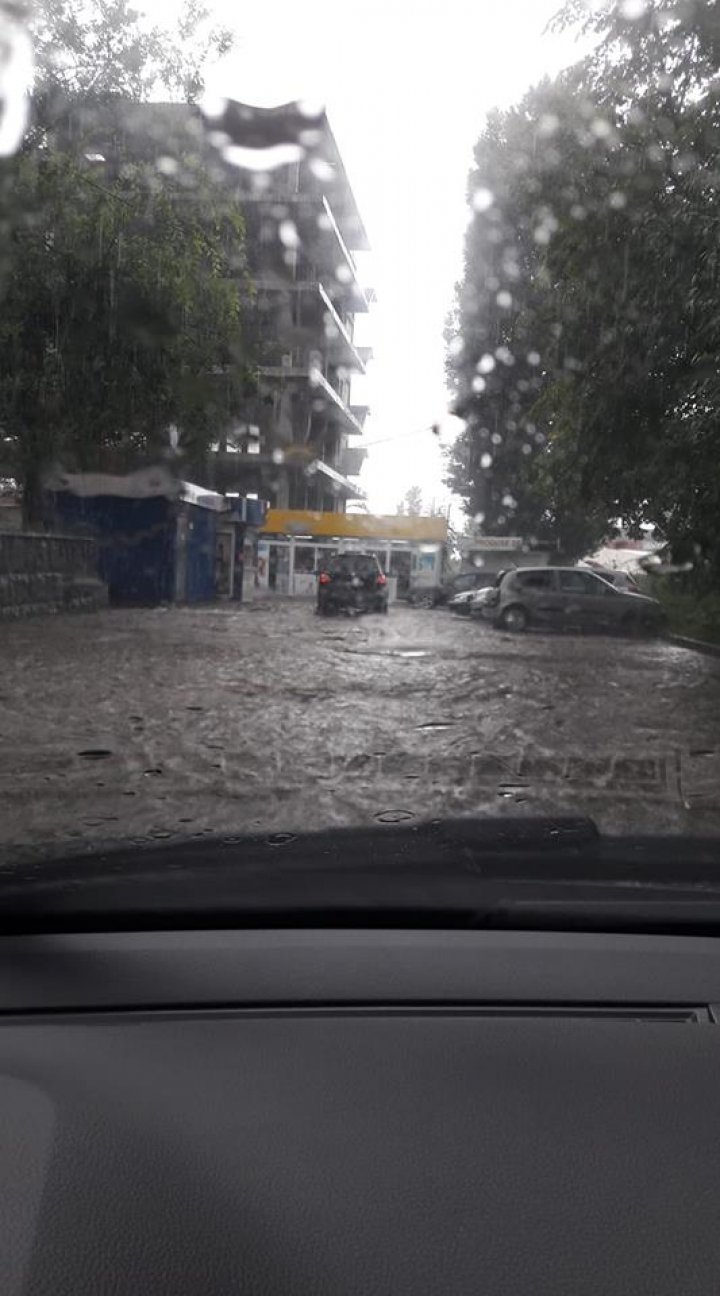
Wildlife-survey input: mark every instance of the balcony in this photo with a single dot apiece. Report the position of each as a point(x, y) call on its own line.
point(339, 483)
point(322, 241)
point(335, 400)
point(322, 388)
point(360, 299)
point(338, 336)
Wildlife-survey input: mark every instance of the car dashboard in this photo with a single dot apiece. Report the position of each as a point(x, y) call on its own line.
point(354, 1111)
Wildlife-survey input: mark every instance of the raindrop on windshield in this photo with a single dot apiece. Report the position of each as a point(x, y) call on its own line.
point(483, 199)
point(288, 235)
point(486, 460)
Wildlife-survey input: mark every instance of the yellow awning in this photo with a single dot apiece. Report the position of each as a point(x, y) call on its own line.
point(355, 526)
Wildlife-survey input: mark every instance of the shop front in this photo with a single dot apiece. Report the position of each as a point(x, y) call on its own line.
point(295, 544)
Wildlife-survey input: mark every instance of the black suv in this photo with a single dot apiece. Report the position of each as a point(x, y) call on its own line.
point(352, 582)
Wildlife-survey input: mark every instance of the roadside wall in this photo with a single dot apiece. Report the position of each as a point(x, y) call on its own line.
point(42, 572)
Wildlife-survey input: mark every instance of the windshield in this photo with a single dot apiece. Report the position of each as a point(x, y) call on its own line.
point(431, 298)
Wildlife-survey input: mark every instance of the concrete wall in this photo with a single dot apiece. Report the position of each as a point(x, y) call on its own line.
point(42, 572)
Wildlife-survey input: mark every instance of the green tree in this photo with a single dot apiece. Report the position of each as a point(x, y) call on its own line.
point(599, 221)
point(124, 288)
point(411, 505)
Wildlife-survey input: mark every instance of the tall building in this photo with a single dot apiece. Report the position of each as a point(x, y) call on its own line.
point(298, 447)
point(296, 442)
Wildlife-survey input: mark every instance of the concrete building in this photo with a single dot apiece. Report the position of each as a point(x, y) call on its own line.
point(296, 443)
point(299, 447)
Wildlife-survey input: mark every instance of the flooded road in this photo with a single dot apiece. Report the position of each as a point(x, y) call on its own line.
point(155, 724)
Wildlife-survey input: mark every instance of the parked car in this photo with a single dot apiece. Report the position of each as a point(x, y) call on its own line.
point(485, 597)
point(352, 582)
point(569, 598)
point(460, 603)
point(439, 595)
point(622, 580)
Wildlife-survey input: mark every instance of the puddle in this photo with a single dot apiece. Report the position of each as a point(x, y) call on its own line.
point(394, 816)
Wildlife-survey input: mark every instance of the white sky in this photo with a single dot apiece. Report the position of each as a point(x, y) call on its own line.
point(407, 84)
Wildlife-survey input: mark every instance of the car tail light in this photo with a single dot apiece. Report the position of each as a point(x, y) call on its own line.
point(381, 580)
point(324, 578)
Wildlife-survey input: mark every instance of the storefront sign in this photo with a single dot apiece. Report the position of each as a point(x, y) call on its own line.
point(493, 543)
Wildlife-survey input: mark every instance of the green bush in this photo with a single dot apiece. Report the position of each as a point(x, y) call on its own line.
point(690, 612)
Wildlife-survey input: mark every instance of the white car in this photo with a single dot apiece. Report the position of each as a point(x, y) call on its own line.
point(460, 603)
point(482, 599)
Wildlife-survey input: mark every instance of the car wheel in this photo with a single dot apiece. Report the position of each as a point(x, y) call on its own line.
point(514, 618)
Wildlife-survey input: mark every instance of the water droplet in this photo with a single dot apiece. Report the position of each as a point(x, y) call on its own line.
point(288, 235)
point(548, 124)
point(278, 456)
point(167, 166)
point(533, 358)
point(262, 160)
point(527, 448)
point(323, 172)
point(478, 384)
point(479, 519)
point(456, 346)
point(496, 438)
point(485, 364)
point(601, 128)
point(504, 299)
point(486, 460)
point(482, 199)
point(508, 501)
point(577, 211)
point(617, 200)
point(311, 108)
point(632, 9)
point(505, 355)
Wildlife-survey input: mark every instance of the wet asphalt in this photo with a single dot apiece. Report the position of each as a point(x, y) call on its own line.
point(165, 724)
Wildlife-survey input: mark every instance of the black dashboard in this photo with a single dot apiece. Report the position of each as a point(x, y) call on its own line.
point(359, 1111)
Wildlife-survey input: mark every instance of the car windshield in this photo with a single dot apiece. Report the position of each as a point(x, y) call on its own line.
point(428, 296)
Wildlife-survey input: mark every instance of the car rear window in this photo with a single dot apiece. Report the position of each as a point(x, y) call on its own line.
point(345, 564)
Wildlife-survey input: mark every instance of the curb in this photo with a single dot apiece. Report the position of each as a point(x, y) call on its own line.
point(695, 645)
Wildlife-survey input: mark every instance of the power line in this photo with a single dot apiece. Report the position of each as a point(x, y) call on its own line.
point(429, 427)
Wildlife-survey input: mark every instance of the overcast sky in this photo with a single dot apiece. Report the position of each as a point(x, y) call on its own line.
point(407, 84)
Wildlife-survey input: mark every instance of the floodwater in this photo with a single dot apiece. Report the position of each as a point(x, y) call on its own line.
point(164, 724)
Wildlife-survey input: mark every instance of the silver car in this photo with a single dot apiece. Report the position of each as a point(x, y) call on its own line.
point(569, 598)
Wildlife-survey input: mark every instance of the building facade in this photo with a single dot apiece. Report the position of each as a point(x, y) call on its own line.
point(300, 445)
point(298, 441)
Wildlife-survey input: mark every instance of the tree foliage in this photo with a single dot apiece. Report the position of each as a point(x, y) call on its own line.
point(411, 505)
point(584, 349)
point(123, 283)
